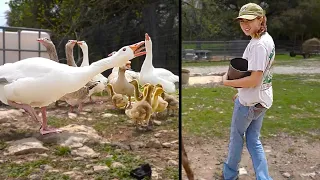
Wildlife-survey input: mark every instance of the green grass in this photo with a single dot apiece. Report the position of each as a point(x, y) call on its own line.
point(3, 144)
point(54, 176)
point(129, 160)
point(172, 173)
point(103, 93)
point(62, 151)
point(208, 111)
point(204, 63)
point(14, 170)
point(59, 122)
point(280, 59)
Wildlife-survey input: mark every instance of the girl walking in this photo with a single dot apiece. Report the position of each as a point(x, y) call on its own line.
point(254, 97)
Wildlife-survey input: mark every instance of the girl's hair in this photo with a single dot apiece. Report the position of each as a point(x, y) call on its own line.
point(263, 27)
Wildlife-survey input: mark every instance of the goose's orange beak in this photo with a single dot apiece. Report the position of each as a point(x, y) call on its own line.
point(74, 41)
point(80, 43)
point(40, 40)
point(137, 49)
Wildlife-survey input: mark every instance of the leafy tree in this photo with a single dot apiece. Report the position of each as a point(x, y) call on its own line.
point(105, 25)
point(214, 20)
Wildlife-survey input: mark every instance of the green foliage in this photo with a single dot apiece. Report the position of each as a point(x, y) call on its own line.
point(105, 25)
point(214, 20)
point(62, 151)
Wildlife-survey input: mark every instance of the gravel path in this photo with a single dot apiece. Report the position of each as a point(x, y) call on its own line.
point(276, 70)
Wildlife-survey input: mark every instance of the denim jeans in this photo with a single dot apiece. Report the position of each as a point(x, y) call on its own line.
point(246, 123)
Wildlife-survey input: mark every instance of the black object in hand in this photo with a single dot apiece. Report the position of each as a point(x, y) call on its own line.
point(238, 69)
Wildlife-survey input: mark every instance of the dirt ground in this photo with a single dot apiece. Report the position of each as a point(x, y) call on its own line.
point(118, 129)
point(298, 158)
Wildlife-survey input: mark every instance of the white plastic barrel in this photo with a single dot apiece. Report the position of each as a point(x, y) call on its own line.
point(28, 41)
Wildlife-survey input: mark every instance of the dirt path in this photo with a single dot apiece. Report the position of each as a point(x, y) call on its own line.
point(296, 158)
point(276, 70)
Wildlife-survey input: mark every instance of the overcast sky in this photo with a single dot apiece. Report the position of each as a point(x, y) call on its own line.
point(3, 8)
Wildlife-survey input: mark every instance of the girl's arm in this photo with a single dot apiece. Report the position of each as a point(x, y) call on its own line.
point(247, 82)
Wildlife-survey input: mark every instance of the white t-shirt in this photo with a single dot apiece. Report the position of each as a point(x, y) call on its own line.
point(260, 54)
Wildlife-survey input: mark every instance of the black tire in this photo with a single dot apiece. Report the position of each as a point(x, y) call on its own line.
point(305, 55)
point(292, 54)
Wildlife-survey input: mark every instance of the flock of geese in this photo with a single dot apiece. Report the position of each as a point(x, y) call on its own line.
point(38, 82)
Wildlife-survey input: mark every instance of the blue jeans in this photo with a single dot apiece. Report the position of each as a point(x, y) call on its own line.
point(246, 122)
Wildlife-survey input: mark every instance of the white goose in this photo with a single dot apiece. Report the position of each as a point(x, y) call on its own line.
point(149, 74)
point(129, 74)
point(79, 96)
point(99, 77)
point(37, 81)
point(52, 52)
point(51, 48)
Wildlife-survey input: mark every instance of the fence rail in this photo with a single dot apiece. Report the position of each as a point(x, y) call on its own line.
point(225, 50)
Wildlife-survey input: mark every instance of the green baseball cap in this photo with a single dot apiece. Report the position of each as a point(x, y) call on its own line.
point(250, 11)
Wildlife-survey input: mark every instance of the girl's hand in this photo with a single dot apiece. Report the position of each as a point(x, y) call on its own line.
point(224, 79)
point(235, 97)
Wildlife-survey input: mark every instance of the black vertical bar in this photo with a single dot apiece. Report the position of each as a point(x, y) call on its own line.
point(19, 44)
point(4, 45)
point(39, 35)
point(225, 50)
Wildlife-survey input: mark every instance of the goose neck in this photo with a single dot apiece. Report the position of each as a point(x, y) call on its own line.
point(85, 61)
point(52, 53)
point(70, 58)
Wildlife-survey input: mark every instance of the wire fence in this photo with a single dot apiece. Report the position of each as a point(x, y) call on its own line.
point(226, 50)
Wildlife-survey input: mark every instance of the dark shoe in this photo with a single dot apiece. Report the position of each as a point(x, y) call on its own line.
point(142, 172)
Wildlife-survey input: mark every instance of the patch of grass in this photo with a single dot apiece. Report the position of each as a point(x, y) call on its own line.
point(54, 176)
point(291, 150)
point(280, 59)
point(103, 93)
point(129, 160)
point(286, 60)
point(58, 122)
point(295, 110)
point(3, 144)
point(171, 173)
point(14, 170)
point(62, 151)
point(103, 125)
point(205, 63)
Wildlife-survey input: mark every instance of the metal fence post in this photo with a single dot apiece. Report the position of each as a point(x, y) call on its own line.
point(4, 45)
point(225, 50)
point(19, 44)
point(39, 35)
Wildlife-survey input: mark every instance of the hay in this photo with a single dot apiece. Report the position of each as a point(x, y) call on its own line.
point(311, 46)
